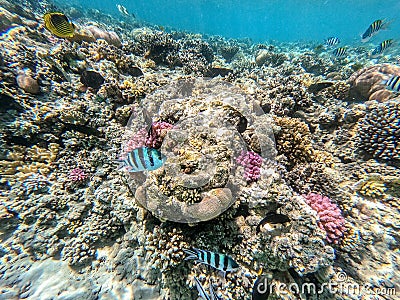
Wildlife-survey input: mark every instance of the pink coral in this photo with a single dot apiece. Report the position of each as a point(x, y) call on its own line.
point(137, 141)
point(77, 175)
point(158, 131)
point(251, 162)
point(330, 216)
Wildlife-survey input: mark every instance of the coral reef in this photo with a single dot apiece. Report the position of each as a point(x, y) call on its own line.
point(118, 234)
point(251, 162)
point(379, 130)
point(158, 131)
point(366, 84)
point(77, 174)
point(294, 141)
point(330, 216)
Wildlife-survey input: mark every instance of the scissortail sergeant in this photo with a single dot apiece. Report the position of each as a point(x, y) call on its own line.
point(331, 41)
point(382, 47)
point(218, 261)
point(339, 52)
point(141, 159)
point(393, 83)
point(373, 29)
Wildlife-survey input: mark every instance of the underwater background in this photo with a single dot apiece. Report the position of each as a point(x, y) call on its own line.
point(199, 150)
point(260, 21)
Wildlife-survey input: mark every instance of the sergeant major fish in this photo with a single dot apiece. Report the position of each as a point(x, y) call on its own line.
point(141, 159)
point(393, 83)
point(218, 261)
point(339, 52)
point(373, 29)
point(332, 41)
point(382, 47)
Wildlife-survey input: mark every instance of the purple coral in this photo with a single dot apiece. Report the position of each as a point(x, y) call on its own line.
point(251, 162)
point(77, 175)
point(330, 216)
point(158, 131)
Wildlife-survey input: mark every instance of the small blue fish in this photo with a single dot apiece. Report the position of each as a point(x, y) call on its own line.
point(218, 261)
point(332, 41)
point(382, 47)
point(202, 292)
point(393, 83)
point(141, 159)
point(340, 52)
point(373, 29)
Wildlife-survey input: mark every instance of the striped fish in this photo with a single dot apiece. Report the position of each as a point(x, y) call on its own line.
point(340, 52)
point(373, 29)
point(202, 293)
point(59, 25)
point(393, 83)
point(141, 159)
point(332, 41)
point(218, 261)
point(382, 47)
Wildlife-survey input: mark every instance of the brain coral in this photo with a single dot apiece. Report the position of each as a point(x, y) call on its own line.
point(365, 84)
point(379, 130)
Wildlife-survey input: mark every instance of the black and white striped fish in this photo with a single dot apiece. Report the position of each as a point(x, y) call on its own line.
point(218, 261)
point(382, 47)
point(141, 159)
point(340, 52)
point(373, 29)
point(202, 293)
point(332, 41)
point(393, 83)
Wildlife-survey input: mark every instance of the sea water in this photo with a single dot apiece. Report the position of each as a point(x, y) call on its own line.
point(262, 20)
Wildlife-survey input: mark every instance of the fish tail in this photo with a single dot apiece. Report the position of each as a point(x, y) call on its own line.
point(386, 24)
point(191, 254)
point(120, 163)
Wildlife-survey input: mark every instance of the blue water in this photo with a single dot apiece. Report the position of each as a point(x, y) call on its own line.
point(291, 20)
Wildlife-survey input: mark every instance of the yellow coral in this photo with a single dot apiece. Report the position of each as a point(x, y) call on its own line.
point(294, 140)
point(351, 239)
point(324, 157)
point(373, 189)
point(43, 155)
point(22, 163)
